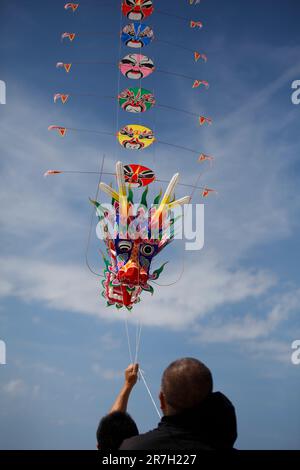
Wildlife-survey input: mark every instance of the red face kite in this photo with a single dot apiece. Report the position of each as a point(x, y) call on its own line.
point(138, 175)
point(137, 10)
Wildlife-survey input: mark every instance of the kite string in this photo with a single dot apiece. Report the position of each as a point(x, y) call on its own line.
point(155, 114)
point(140, 370)
point(117, 147)
point(194, 187)
point(98, 95)
point(118, 79)
point(128, 340)
point(138, 340)
point(91, 225)
point(116, 153)
point(149, 393)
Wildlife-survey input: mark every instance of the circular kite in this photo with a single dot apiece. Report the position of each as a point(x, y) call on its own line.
point(138, 175)
point(136, 100)
point(135, 137)
point(136, 66)
point(136, 35)
point(137, 10)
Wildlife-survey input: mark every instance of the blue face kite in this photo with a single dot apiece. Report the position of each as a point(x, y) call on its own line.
point(136, 35)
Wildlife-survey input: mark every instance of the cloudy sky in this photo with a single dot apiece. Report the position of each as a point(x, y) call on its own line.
point(235, 303)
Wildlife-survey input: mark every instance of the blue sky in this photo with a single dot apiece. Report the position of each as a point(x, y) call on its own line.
point(236, 306)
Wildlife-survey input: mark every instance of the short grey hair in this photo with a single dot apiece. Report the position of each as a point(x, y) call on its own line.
point(186, 383)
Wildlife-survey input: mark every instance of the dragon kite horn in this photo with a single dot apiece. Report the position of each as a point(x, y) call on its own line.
point(121, 179)
point(167, 196)
point(108, 190)
point(122, 189)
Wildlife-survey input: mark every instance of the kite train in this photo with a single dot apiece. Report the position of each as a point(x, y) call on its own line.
point(135, 228)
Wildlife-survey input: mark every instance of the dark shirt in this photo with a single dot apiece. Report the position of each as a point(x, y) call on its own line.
point(210, 426)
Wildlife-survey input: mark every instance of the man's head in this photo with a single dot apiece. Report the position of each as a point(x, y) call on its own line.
point(113, 429)
point(185, 384)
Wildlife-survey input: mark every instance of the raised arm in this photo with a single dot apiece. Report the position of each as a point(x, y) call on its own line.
point(131, 376)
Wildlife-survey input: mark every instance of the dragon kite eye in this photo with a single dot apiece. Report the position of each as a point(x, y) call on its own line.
point(125, 246)
point(147, 250)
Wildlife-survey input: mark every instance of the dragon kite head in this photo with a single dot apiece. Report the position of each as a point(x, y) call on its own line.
point(133, 234)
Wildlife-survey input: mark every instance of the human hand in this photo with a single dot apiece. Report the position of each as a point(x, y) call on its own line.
point(131, 375)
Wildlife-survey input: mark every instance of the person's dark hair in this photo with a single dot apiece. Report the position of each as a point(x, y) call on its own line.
point(186, 383)
point(113, 429)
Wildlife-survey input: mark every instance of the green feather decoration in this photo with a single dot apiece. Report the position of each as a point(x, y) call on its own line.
point(130, 195)
point(155, 275)
point(148, 288)
point(144, 198)
point(99, 209)
point(129, 289)
point(158, 198)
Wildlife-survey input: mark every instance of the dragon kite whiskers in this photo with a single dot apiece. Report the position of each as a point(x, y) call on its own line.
point(133, 238)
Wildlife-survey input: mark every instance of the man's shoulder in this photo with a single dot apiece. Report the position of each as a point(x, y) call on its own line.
point(146, 441)
point(163, 438)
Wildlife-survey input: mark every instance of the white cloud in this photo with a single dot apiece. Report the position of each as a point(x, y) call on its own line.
point(254, 206)
point(72, 288)
point(15, 387)
point(36, 390)
point(106, 373)
point(270, 350)
point(6, 288)
point(39, 367)
point(109, 342)
point(249, 327)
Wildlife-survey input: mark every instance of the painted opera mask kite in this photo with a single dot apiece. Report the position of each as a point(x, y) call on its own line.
point(138, 175)
point(137, 10)
point(136, 35)
point(135, 137)
point(136, 66)
point(136, 100)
